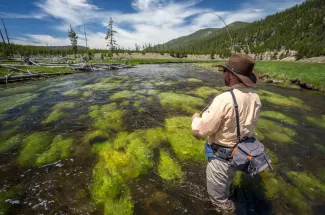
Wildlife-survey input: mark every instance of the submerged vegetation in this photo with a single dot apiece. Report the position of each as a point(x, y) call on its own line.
point(139, 136)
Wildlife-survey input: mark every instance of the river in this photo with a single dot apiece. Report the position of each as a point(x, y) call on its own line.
point(119, 142)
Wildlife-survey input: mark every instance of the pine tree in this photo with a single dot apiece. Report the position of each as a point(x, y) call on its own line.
point(73, 38)
point(110, 36)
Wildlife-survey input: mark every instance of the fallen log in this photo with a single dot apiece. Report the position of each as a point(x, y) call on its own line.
point(14, 68)
point(8, 78)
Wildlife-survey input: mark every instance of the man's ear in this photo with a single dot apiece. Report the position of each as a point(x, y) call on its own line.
point(231, 76)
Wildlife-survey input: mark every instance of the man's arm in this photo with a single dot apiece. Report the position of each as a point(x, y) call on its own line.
point(211, 119)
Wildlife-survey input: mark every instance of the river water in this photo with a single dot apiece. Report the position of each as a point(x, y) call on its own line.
point(119, 142)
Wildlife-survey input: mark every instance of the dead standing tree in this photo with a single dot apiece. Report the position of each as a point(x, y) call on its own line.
point(4, 26)
point(73, 38)
point(110, 36)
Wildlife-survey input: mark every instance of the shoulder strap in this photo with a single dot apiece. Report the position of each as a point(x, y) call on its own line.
point(237, 115)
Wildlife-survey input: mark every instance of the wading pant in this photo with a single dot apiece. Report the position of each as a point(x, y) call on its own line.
point(219, 178)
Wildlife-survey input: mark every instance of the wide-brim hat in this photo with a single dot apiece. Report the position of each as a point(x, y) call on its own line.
point(242, 66)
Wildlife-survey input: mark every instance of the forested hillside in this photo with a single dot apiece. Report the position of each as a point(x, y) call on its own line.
point(300, 28)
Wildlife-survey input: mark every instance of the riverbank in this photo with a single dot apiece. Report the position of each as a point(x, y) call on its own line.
point(288, 74)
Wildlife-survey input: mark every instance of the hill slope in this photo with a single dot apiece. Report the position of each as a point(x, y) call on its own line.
point(300, 28)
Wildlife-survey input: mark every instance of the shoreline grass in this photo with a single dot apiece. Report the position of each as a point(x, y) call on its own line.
point(309, 73)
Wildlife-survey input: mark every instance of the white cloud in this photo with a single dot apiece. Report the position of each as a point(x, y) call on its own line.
point(146, 4)
point(153, 21)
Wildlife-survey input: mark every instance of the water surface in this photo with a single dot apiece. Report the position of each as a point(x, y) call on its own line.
point(119, 142)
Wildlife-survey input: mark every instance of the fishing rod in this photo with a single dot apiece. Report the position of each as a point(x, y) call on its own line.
point(231, 40)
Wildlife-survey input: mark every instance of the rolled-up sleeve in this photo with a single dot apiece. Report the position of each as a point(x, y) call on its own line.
point(211, 118)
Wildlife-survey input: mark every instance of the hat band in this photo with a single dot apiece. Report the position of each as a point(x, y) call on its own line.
point(235, 71)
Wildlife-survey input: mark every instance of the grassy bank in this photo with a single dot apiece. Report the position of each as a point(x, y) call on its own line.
point(38, 69)
point(309, 73)
point(137, 61)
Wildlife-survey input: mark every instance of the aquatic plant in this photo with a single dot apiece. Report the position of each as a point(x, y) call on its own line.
point(195, 80)
point(279, 100)
point(54, 117)
point(125, 94)
point(101, 86)
point(72, 92)
point(10, 143)
point(110, 120)
point(86, 94)
point(13, 101)
point(33, 109)
point(5, 195)
point(96, 136)
point(308, 185)
point(33, 145)
point(57, 112)
point(155, 136)
point(182, 102)
point(164, 84)
point(17, 90)
point(279, 116)
point(185, 145)
point(60, 149)
point(320, 121)
point(274, 132)
point(293, 197)
point(169, 169)
point(320, 147)
point(64, 106)
point(205, 92)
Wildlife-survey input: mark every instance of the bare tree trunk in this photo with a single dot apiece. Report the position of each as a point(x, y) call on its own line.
point(12, 55)
point(85, 33)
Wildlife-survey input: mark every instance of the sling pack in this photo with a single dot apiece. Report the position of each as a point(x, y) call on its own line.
point(248, 155)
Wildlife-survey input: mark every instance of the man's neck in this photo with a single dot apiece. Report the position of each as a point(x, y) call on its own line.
point(239, 85)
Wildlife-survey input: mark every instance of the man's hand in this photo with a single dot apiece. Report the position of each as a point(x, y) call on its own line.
point(195, 115)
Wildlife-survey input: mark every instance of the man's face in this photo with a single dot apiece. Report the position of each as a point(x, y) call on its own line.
point(226, 78)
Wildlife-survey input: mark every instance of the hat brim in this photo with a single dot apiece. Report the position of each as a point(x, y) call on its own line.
point(249, 81)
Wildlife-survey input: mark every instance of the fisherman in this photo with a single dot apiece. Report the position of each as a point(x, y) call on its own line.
point(218, 124)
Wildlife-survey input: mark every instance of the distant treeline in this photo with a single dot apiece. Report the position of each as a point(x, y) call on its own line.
point(300, 28)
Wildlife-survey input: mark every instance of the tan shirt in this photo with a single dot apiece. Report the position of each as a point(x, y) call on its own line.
point(218, 122)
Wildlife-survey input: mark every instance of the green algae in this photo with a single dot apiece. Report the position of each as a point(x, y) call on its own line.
point(320, 148)
point(54, 117)
point(33, 145)
point(33, 109)
point(205, 92)
point(125, 94)
point(294, 198)
point(319, 122)
point(110, 121)
point(13, 101)
point(185, 145)
point(277, 99)
point(308, 185)
point(60, 149)
point(96, 136)
point(279, 116)
point(195, 80)
point(10, 143)
point(4, 195)
point(122, 205)
point(169, 169)
point(86, 94)
point(57, 112)
point(101, 86)
point(73, 92)
point(274, 132)
point(16, 122)
point(155, 136)
point(17, 90)
point(182, 102)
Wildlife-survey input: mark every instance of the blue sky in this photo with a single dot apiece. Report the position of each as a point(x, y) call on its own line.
point(46, 22)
